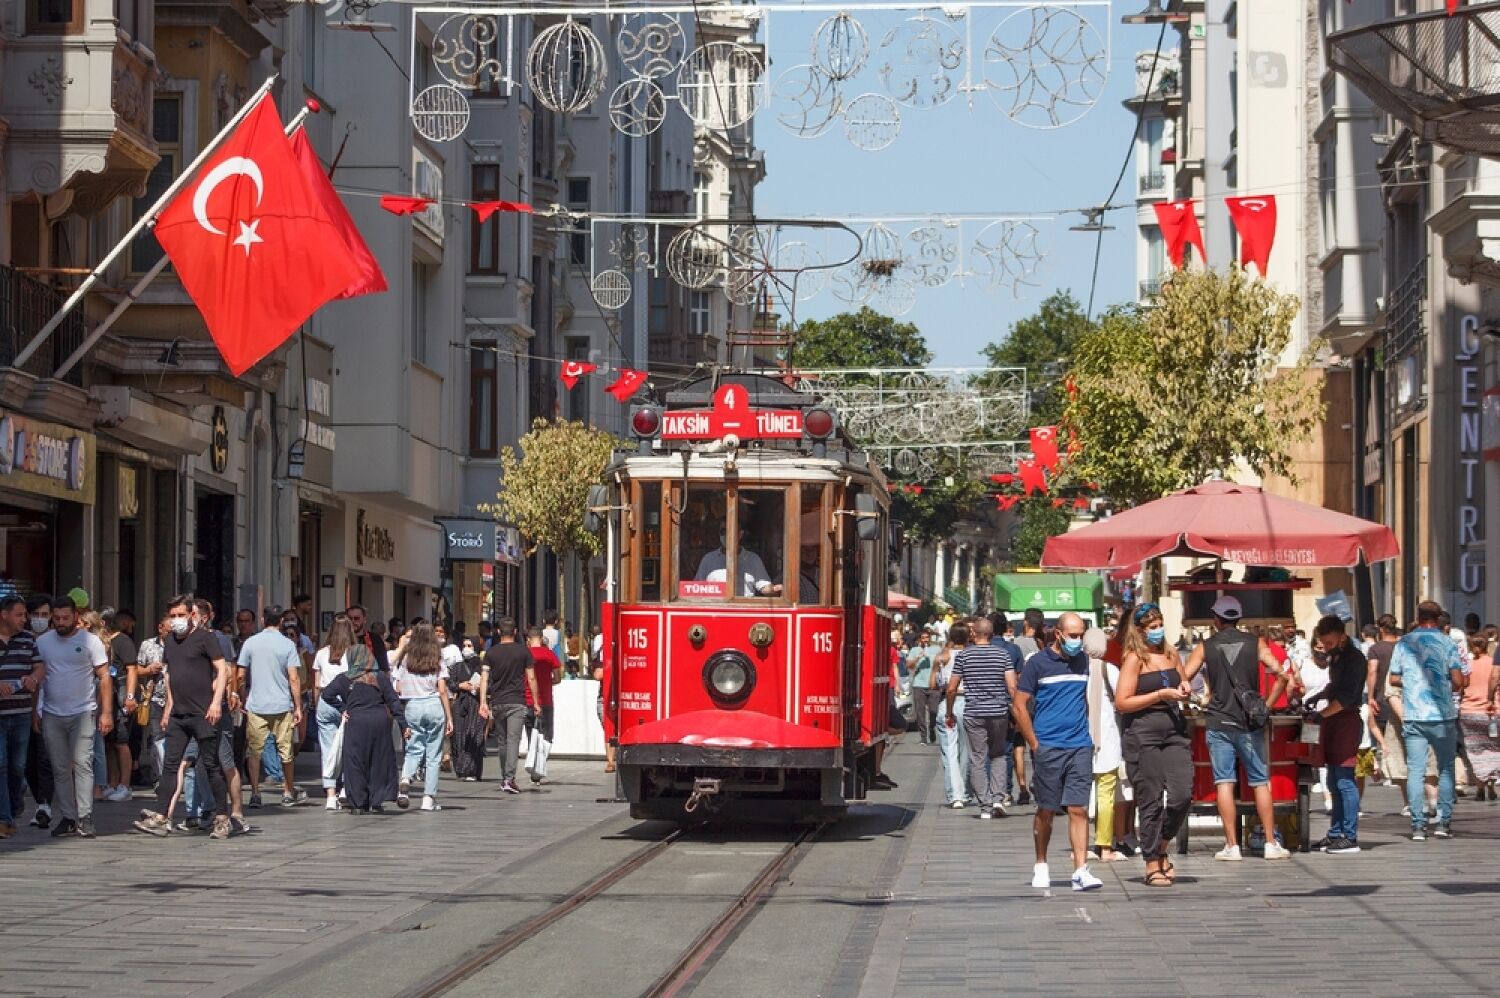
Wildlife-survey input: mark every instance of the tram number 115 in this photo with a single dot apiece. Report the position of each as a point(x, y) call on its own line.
point(822, 642)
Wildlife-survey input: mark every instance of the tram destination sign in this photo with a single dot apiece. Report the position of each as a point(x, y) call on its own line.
point(732, 414)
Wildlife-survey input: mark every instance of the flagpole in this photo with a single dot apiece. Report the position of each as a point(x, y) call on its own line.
point(131, 296)
point(136, 229)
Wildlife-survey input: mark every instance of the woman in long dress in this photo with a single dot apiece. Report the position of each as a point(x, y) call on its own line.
point(367, 700)
point(467, 741)
point(328, 664)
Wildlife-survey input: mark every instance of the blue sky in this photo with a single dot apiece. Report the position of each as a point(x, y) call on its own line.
point(957, 160)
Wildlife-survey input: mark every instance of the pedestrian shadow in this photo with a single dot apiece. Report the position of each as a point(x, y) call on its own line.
point(1462, 889)
point(1331, 891)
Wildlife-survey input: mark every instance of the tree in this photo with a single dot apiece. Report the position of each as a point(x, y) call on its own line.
point(544, 489)
point(1167, 396)
point(1039, 521)
point(1043, 344)
point(932, 514)
point(858, 339)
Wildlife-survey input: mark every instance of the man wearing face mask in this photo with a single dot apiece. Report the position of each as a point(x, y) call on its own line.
point(71, 709)
point(199, 678)
point(1052, 711)
point(754, 579)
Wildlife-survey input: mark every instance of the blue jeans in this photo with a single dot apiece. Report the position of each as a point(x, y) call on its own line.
point(1345, 822)
point(15, 737)
point(101, 762)
point(427, 721)
point(197, 795)
point(270, 762)
point(328, 726)
point(1442, 738)
point(953, 748)
point(1225, 745)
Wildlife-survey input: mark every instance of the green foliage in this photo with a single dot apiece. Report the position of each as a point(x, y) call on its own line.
point(1169, 395)
point(544, 490)
point(1039, 521)
point(933, 515)
point(1043, 344)
point(858, 339)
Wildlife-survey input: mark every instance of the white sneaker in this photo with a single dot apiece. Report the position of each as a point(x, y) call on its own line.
point(118, 794)
point(1083, 880)
point(1040, 877)
point(428, 804)
point(985, 814)
point(1229, 854)
point(332, 805)
point(1275, 850)
point(957, 805)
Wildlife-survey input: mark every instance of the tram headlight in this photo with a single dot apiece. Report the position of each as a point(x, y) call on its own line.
point(729, 677)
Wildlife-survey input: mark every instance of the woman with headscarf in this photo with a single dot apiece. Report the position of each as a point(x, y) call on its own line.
point(466, 744)
point(365, 697)
point(1104, 728)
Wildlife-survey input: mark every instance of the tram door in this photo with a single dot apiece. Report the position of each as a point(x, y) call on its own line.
point(850, 558)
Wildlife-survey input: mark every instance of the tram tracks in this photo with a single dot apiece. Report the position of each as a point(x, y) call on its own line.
point(698, 957)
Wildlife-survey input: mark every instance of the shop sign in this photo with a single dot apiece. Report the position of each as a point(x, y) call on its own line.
point(508, 546)
point(218, 449)
point(1374, 435)
point(1470, 457)
point(469, 540)
point(372, 542)
point(46, 458)
point(130, 499)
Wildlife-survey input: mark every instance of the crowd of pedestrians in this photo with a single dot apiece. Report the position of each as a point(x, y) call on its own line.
point(1104, 720)
point(200, 717)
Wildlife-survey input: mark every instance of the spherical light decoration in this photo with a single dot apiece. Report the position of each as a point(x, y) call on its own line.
point(801, 269)
point(721, 85)
point(840, 47)
point(440, 113)
point(872, 122)
point(611, 289)
point(566, 67)
point(1046, 66)
point(637, 107)
point(651, 45)
point(807, 101)
point(695, 259)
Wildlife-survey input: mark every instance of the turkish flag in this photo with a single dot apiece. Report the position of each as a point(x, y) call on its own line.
point(1452, 7)
point(1006, 502)
point(572, 370)
point(401, 204)
point(1044, 446)
point(1178, 222)
point(1002, 478)
point(1255, 221)
point(371, 280)
point(1080, 503)
point(253, 244)
point(484, 209)
point(627, 384)
point(1033, 477)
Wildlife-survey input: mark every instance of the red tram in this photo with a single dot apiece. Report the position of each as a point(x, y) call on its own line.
point(746, 635)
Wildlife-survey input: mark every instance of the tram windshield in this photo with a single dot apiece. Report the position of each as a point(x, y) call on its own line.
point(746, 546)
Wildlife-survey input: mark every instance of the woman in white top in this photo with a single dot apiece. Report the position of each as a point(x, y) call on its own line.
point(1104, 727)
point(330, 662)
point(421, 680)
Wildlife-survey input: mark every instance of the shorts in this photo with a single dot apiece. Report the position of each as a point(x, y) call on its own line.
point(278, 726)
point(1062, 777)
point(1225, 745)
point(231, 742)
point(120, 733)
point(1364, 764)
point(1395, 753)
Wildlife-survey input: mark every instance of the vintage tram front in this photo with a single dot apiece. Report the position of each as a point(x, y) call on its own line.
point(746, 633)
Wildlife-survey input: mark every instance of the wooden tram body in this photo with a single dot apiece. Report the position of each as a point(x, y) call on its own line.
point(745, 631)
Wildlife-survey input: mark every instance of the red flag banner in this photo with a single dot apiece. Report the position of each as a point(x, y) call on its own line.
point(253, 244)
point(401, 204)
point(1080, 503)
point(1058, 503)
point(371, 280)
point(1006, 502)
point(572, 370)
point(1255, 221)
point(1044, 446)
point(1452, 7)
point(484, 209)
point(627, 384)
point(1178, 221)
point(1003, 478)
point(1033, 477)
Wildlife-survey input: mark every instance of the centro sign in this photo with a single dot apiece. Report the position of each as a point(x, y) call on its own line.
point(469, 540)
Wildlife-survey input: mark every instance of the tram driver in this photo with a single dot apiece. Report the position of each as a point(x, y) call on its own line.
point(754, 579)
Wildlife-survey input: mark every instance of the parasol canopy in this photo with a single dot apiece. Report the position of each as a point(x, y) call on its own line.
point(901, 601)
point(1238, 523)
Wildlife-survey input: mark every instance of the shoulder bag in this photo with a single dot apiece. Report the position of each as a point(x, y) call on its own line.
point(1257, 714)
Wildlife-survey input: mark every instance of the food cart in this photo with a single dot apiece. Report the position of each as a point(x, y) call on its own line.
point(1247, 526)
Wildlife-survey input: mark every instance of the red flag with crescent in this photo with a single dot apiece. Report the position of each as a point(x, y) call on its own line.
point(1255, 220)
point(253, 244)
point(627, 384)
point(1044, 446)
point(1006, 502)
point(1178, 221)
point(572, 370)
point(1033, 477)
point(371, 280)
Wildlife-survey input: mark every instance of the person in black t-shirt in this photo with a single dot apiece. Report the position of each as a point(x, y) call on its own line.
point(502, 695)
point(197, 675)
point(1342, 730)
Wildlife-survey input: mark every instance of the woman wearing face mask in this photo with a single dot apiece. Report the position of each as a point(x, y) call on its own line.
point(1158, 753)
point(466, 743)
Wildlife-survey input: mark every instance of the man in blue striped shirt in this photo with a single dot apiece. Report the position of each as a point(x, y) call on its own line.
point(987, 673)
point(1055, 681)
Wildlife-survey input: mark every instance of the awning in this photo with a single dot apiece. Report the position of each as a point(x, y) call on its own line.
point(1437, 72)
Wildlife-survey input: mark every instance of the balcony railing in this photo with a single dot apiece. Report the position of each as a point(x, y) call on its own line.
point(1150, 288)
point(25, 306)
point(1153, 183)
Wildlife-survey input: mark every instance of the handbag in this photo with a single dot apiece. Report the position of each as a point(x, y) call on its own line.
point(335, 754)
point(143, 706)
point(537, 754)
point(1257, 714)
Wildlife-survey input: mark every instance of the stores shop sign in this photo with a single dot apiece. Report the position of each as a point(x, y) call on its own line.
point(469, 540)
point(46, 459)
point(1470, 456)
point(371, 542)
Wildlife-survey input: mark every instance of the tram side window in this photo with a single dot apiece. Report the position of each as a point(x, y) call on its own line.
point(651, 542)
point(811, 587)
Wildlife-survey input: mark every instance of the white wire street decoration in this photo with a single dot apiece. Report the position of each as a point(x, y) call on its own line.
point(611, 289)
point(1042, 63)
point(440, 113)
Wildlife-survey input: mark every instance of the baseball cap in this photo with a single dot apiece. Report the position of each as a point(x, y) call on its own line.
point(79, 596)
point(1227, 608)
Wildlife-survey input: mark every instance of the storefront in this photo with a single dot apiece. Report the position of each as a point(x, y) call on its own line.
point(47, 491)
point(387, 561)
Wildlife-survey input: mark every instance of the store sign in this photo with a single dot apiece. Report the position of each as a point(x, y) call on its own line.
point(372, 542)
point(469, 540)
point(1470, 459)
point(46, 458)
point(218, 448)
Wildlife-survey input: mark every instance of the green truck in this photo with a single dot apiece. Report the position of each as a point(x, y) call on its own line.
point(1053, 593)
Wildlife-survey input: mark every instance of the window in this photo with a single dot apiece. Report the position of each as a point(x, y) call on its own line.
point(1156, 260)
point(577, 348)
point(421, 280)
point(54, 17)
point(701, 313)
point(1327, 197)
point(485, 82)
point(1152, 176)
point(484, 390)
point(484, 241)
point(713, 548)
point(651, 542)
point(129, 16)
point(578, 243)
point(813, 544)
point(658, 320)
point(166, 129)
point(701, 183)
point(312, 24)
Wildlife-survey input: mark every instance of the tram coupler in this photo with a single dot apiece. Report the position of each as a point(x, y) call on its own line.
point(703, 789)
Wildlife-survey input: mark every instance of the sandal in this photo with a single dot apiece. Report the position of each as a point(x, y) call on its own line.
point(1169, 871)
point(1157, 879)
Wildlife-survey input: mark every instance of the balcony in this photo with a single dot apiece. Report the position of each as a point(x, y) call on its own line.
point(1406, 346)
point(1152, 183)
point(1158, 80)
point(1469, 226)
point(1149, 289)
point(670, 203)
point(26, 304)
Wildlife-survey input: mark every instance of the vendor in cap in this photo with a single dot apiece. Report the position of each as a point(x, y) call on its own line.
point(1232, 660)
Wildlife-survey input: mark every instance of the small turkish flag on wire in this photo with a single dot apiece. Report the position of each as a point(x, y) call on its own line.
point(253, 244)
point(1033, 477)
point(1006, 502)
point(572, 370)
point(1255, 221)
point(484, 209)
point(1044, 446)
point(1178, 222)
point(371, 280)
point(401, 204)
point(1452, 7)
point(627, 384)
